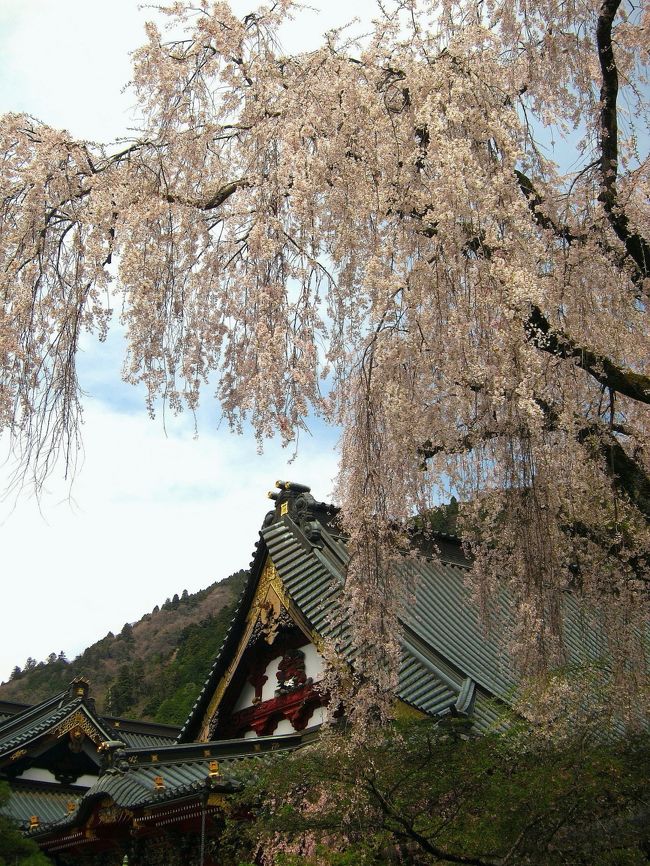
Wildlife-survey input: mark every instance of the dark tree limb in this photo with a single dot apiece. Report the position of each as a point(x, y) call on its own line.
point(409, 831)
point(626, 473)
point(211, 202)
point(635, 245)
point(636, 386)
point(638, 563)
point(535, 202)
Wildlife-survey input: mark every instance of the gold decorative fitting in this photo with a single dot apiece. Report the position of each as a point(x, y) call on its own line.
point(206, 753)
point(218, 800)
point(215, 772)
point(71, 806)
point(18, 754)
point(159, 783)
point(116, 724)
point(284, 509)
point(34, 822)
point(81, 721)
point(154, 758)
point(112, 814)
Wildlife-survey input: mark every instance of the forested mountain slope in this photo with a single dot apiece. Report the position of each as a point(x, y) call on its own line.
point(153, 669)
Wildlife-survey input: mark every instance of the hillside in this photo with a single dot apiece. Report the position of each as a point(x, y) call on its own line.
point(153, 669)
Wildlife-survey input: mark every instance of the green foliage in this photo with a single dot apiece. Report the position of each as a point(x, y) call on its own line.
point(176, 708)
point(186, 673)
point(15, 849)
point(426, 793)
point(123, 692)
point(441, 519)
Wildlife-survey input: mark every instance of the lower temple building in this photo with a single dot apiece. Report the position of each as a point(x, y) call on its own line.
point(92, 788)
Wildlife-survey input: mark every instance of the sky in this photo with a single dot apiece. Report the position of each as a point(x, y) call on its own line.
point(152, 509)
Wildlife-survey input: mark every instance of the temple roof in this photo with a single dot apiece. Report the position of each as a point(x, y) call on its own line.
point(30, 736)
point(10, 708)
point(149, 778)
point(450, 662)
point(32, 798)
point(20, 730)
point(136, 734)
point(21, 724)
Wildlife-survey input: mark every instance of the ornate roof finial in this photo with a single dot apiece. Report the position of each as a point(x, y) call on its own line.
point(296, 501)
point(79, 688)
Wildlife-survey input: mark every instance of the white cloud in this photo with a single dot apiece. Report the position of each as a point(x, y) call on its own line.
point(150, 516)
point(66, 62)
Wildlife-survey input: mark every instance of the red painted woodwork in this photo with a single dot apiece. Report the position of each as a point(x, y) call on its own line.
point(296, 705)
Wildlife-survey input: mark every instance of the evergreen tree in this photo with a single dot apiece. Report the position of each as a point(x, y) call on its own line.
point(127, 632)
point(122, 694)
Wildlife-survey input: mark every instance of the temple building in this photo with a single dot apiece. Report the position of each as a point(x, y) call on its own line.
point(83, 784)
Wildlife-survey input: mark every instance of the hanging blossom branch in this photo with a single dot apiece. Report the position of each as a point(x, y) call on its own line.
point(369, 233)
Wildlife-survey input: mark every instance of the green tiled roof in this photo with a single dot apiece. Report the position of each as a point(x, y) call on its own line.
point(185, 771)
point(138, 740)
point(29, 722)
point(48, 802)
point(445, 644)
point(21, 729)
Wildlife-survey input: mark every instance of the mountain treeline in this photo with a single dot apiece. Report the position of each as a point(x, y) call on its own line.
point(153, 669)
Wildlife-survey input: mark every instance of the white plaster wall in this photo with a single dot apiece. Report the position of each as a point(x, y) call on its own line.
point(284, 726)
point(86, 780)
point(318, 717)
point(271, 684)
point(314, 666)
point(314, 663)
point(40, 774)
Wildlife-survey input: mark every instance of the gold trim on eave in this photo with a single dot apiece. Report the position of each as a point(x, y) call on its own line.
point(18, 754)
point(82, 722)
point(270, 597)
